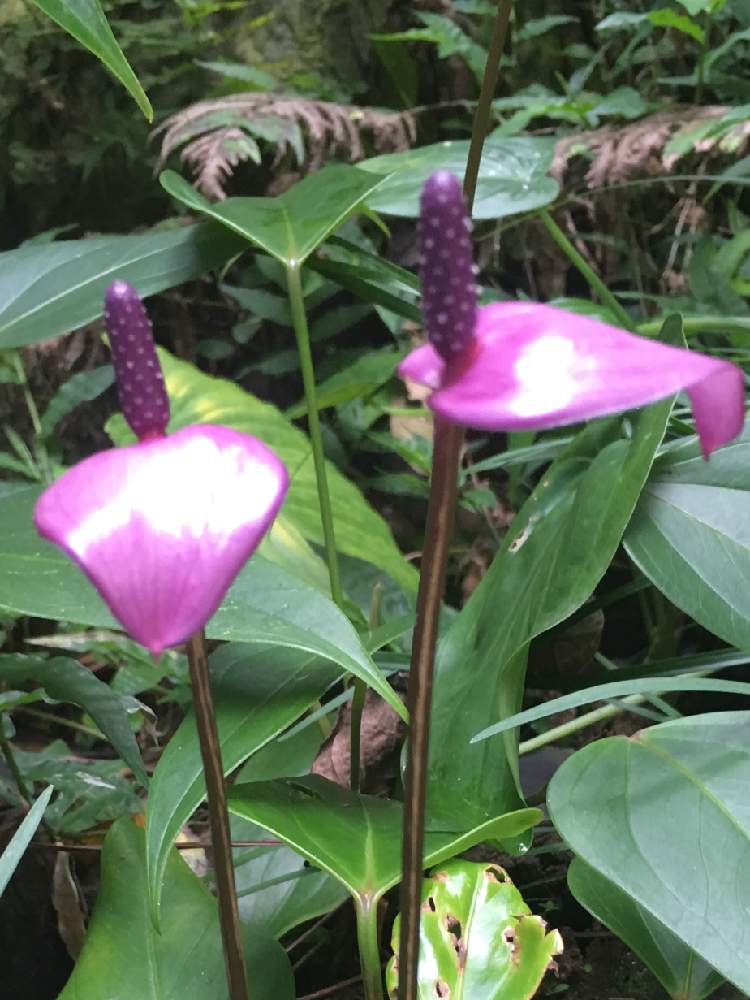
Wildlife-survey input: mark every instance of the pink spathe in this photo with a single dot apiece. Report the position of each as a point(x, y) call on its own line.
point(526, 366)
point(161, 527)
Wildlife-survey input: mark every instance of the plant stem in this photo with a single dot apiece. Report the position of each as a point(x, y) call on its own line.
point(369, 952)
point(448, 440)
point(208, 737)
point(299, 319)
point(582, 722)
point(578, 261)
point(23, 789)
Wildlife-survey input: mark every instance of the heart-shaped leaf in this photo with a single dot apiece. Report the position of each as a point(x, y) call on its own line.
point(291, 225)
point(52, 288)
point(85, 21)
point(681, 972)
point(477, 937)
point(125, 957)
point(664, 815)
point(513, 176)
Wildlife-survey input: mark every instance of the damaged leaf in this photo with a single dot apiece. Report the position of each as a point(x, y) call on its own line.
point(478, 938)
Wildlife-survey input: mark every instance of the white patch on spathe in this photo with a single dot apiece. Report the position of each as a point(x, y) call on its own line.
point(550, 372)
point(196, 489)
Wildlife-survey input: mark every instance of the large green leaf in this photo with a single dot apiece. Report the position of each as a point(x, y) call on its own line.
point(664, 815)
point(258, 692)
point(513, 176)
point(276, 888)
point(360, 532)
point(477, 937)
point(690, 535)
point(681, 972)
point(65, 679)
point(265, 604)
point(291, 225)
point(357, 838)
point(126, 958)
point(52, 288)
point(21, 839)
point(559, 546)
point(85, 21)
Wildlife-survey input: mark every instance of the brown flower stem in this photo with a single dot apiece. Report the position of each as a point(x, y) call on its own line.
point(448, 440)
point(208, 737)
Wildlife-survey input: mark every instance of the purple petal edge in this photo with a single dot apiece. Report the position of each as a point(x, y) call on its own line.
point(535, 366)
point(162, 527)
point(140, 383)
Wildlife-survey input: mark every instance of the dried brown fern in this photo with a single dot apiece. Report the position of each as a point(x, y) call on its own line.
point(644, 148)
point(217, 135)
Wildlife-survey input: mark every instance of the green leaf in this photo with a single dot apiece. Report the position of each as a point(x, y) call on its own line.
point(57, 287)
point(681, 972)
point(85, 21)
point(21, 839)
point(614, 689)
point(79, 388)
point(690, 535)
point(478, 937)
point(360, 532)
point(558, 548)
point(258, 692)
point(665, 17)
point(357, 380)
point(451, 40)
point(664, 816)
point(357, 838)
point(513, 176)
point(126, 957)
point(265, 604)
point(291, 225)
point(66, 680)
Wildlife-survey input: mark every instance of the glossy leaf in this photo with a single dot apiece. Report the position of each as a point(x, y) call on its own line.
point(360, 532)
point(478, 937)
point(264, 605)
point(65, 679)
point(50, 289)
point(21, 839)
point(664, 816)
point(291, 225)
point(86, 22)
point(690, 535)
point(513, 176)
point(681, 972)
point(126, 957)
point(557, 549)
point(258, 692)
point(357, 838)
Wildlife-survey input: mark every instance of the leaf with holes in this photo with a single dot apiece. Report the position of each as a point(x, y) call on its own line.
point(478, 937)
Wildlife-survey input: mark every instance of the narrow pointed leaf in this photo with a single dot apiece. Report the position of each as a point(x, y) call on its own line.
point(50, 289)
point(86, 22)
point(291, 225)
point(664, 816)
point(125, 957)
point(21, 839)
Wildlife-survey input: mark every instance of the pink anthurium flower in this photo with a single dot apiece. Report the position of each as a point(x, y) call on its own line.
point(520, 365)
point(161, 527)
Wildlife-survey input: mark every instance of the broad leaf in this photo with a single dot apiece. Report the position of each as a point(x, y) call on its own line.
point(125, 957)
point(258, 692)
point(690, 535)
point(357, 838)
point(264, 605)
point(681, 972)
point(664, 816)
point(360, 532)
point(558, 548)
point(477, 937)
point(65, 679)
point(21, 839)
point(50, 289)
point(291, 225)
point(513, 176)
point(85, 21)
